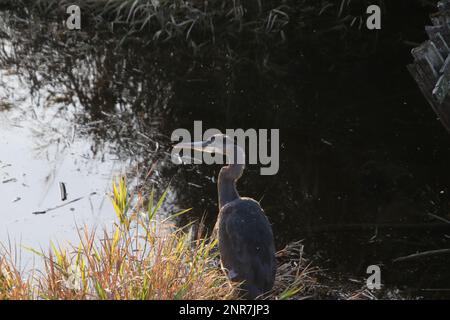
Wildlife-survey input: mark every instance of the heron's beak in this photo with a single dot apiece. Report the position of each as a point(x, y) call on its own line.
point(202, 146)
point(199, 146)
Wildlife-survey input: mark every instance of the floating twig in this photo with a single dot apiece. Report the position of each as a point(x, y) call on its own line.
point(421, 255)
point(438, 218)
point(63, 205)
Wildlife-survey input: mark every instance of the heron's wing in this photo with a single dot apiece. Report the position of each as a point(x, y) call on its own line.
point(246, 244)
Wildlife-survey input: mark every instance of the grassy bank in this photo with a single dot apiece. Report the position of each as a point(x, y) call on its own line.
point(196, 21)
point(199, 23)
point(140, 257)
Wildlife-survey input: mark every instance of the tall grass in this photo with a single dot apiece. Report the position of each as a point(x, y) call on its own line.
point(141, 257)
point(196, 21)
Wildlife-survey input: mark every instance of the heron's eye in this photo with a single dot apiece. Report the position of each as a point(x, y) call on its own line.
point(213, 138)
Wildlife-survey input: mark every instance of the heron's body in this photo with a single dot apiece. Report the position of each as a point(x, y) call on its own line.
point(246, 245)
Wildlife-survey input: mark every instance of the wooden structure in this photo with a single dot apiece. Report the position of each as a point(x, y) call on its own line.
point(431, 67)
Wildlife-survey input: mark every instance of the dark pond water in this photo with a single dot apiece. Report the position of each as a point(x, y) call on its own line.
point(363, 159)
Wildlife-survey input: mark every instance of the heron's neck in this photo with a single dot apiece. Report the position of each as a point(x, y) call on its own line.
point(228, 177)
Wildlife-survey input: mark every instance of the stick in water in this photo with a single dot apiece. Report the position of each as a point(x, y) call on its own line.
point(63, 205)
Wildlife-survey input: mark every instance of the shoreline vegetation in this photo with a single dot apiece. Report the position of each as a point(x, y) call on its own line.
point(200, 25)
point(142, 257)
point(197, 22)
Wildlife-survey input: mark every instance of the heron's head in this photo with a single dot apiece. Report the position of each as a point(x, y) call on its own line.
point(218, 143)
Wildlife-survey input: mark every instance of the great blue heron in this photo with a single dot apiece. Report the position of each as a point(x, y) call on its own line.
point(246, 246)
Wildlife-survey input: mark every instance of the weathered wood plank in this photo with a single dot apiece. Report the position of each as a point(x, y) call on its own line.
point(431, 67)
point(443, 5)
point(443, 84)
point(413, 70)
point(434, 31)
point(441, 43)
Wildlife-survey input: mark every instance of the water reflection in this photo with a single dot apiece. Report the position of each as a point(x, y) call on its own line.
point(363, 161)
point(39, 149)
point(70, 113)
